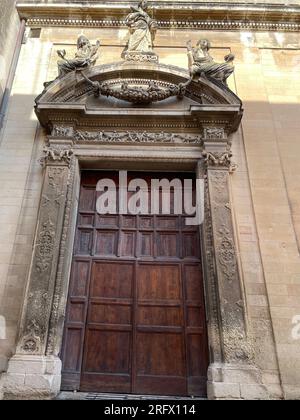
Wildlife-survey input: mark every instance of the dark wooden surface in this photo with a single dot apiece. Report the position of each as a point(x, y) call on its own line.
point(135, 320)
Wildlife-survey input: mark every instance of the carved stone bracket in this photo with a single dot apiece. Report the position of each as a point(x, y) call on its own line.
point(38, 301)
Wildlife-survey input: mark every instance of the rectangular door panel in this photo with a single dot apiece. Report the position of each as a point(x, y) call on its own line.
point(108, 341)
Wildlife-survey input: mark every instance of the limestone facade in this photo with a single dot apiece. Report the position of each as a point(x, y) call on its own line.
point(9, 25)
point(263, 193)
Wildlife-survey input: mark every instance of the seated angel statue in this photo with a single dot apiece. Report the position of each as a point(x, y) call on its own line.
point(201, 62)
point(85, 56)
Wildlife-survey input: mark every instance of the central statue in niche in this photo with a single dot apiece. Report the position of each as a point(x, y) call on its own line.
point(142, 29)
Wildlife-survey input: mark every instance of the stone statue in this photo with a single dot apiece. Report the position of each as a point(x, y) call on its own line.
point(201, 62)
point(142, 30)
point(85, 56)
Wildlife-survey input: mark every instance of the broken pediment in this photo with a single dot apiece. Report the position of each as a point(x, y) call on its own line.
point(131, 90)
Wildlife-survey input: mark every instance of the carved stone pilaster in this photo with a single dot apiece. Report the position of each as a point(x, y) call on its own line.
point(39, 296)
point(235, 345)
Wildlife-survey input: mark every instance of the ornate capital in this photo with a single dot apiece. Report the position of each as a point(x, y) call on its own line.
point(217, 160)
point(60, 156)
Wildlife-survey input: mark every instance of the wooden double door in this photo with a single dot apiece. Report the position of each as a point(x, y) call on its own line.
point(135, 320)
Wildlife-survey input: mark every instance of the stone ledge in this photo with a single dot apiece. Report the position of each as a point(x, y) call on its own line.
point(225, 14)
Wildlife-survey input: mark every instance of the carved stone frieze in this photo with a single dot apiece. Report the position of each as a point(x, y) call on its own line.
point(61, 131)
point(214, 133)
point(136, 137)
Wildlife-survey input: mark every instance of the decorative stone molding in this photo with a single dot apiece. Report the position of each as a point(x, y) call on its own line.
point(135, 137)
point(137, 92)
point(191, 15)
point(140, 57)
point(38, 303)
point(229, 25)
point(60, 131)
point(235, 344)
point(214, 133)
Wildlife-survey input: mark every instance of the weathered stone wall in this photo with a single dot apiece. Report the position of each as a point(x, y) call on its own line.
point(9, 23)
point(264, 189)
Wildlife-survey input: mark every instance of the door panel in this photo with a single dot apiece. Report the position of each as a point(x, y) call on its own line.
point(107, 355)
point(135, 320)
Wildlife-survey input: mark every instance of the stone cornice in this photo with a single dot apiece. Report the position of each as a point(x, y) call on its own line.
point(198, 15)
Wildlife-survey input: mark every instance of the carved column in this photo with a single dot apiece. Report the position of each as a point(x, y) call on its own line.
point(31, 348)
point(234, 367)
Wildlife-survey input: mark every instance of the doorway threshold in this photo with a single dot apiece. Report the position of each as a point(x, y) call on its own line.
point(83, 396)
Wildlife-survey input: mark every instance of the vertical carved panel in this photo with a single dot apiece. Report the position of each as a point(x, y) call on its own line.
point(232, 315)
point(212, 300)
point(38, 302)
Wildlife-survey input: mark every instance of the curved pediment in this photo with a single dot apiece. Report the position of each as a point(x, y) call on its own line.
point(133, 89)
point(73, 88)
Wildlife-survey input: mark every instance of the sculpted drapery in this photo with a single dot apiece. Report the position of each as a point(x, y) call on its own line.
point(201, 63)
point(142, 29)
point(85, 56)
